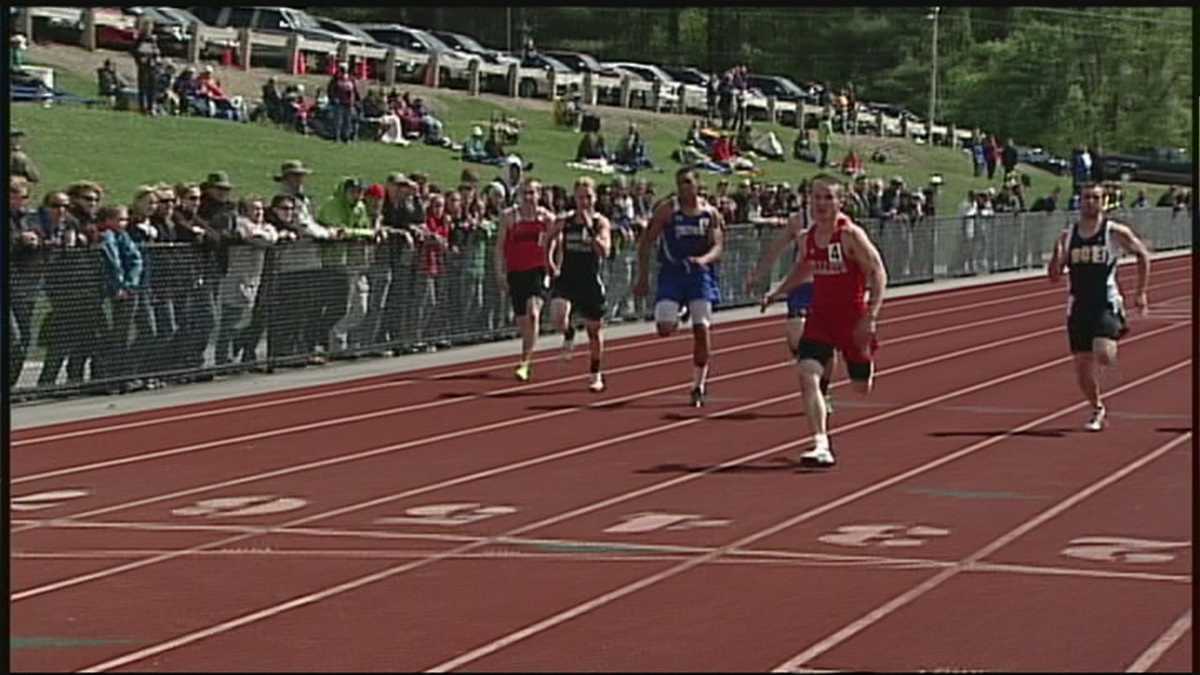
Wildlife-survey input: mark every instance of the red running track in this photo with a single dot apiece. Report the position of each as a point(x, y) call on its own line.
point(452, 519)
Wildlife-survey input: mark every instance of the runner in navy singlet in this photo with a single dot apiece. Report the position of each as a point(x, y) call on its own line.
point(583, 239)
point(1090, 250)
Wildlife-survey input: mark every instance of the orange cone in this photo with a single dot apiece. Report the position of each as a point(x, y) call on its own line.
point(362, 69)
point(227, 57)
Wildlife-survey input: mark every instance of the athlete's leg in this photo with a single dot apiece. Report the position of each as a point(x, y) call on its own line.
point(813, 361)
point(560, 318)
point(596, 351)
point(666, 316)
point(701, 311)
point(794, 330)
point(1105, 350)
point(560, 313)
point(528, 325)
point(811, 371)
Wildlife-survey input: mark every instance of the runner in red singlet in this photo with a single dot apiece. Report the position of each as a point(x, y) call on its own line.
point(521, 266)
point(843, 264)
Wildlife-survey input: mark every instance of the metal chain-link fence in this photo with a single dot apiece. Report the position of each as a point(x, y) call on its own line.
point(202, 313)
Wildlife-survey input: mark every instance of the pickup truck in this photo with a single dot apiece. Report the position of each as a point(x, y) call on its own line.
point(1170, 166)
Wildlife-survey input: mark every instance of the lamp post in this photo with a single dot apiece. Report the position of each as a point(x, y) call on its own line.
point(933, 76)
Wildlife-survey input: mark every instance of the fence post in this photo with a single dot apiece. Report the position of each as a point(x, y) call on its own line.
point(625, 91)
point(514, 74)
point(389, 67)
point(433, 71)
point(343, 52)
point(589, 88)
point(879, 124)
point(244, 47)
point(655, 95)
point(473, 77)
point(197, 43)
point(552, 82)
point(25, 23)
point(293, 48)
point(771, 111)
point(88, 38)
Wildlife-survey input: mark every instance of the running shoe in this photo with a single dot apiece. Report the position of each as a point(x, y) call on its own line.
point(698, 396)
point(597, 384)
point(1097, 421)
point(819, 458)
point(523, 372)
point(828, 404)
point(685, 314)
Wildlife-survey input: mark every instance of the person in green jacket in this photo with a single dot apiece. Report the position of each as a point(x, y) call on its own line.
point(345, 262)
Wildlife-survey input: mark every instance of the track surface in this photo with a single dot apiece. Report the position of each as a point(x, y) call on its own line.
point(454, 519)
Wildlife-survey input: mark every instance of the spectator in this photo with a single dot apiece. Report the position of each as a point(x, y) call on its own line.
point(474, 147)
point(379, 271)
point(967, 250)
point(979, 156)
point(28, 261)
point(434, 242)
point(591, 147)
point(1047, 203)
point(824, 134)
point(344, 98)
point(69, 328)
point(19, 163)
point(852, 164)
point(291, 178)
point(150, 309)
point(991, 155)
point(122, 275)
point(1009, 158)
point(631, 155)
point(114, 87)
point(295, 295)
point(345, 263)
point(1168, 198)
point(239, 287)
point(146, 54)
point(1141, 201)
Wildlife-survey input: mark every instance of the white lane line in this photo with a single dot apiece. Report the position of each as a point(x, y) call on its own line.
point(645, 582)
point(539, 416)
point(271, 433)
point(169, 452)
point(879, 613)
point(54, 586)
point(627, 343)
point(1164, 642)
point(384, 574)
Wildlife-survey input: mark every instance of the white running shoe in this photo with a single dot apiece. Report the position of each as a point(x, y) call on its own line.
point(597, 384)
point(1097, 421)
point(818, 457)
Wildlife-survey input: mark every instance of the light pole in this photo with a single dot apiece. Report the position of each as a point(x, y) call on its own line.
point(508, 27)
point(933, 77)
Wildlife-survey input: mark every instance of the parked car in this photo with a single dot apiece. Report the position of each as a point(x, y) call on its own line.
point(421, 44)
point(688, 75)
point(469, 45)
point(188, 20)
point(580, 62)
point(349, 32)
point(695, 98)
point(530, 87)
point(284, 21)
point(782, 88)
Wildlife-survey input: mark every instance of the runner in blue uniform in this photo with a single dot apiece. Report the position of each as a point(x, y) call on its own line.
point(1090, 250)
point(689, 233)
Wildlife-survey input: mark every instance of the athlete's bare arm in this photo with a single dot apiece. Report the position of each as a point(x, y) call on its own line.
point(1058, 259)
point(552, 240)
point(498, 250)
point(1131, 243)
point(801, 273)
point(790, 232)
point(867, 256)
point(602, 239)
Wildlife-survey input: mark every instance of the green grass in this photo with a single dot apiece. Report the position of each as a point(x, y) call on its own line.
point(122, 150)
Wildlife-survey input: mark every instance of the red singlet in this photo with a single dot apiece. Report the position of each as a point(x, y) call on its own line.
point(839, 292)
point(522, 250)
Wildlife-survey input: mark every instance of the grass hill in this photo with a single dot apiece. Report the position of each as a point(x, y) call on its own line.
point(122, 149)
